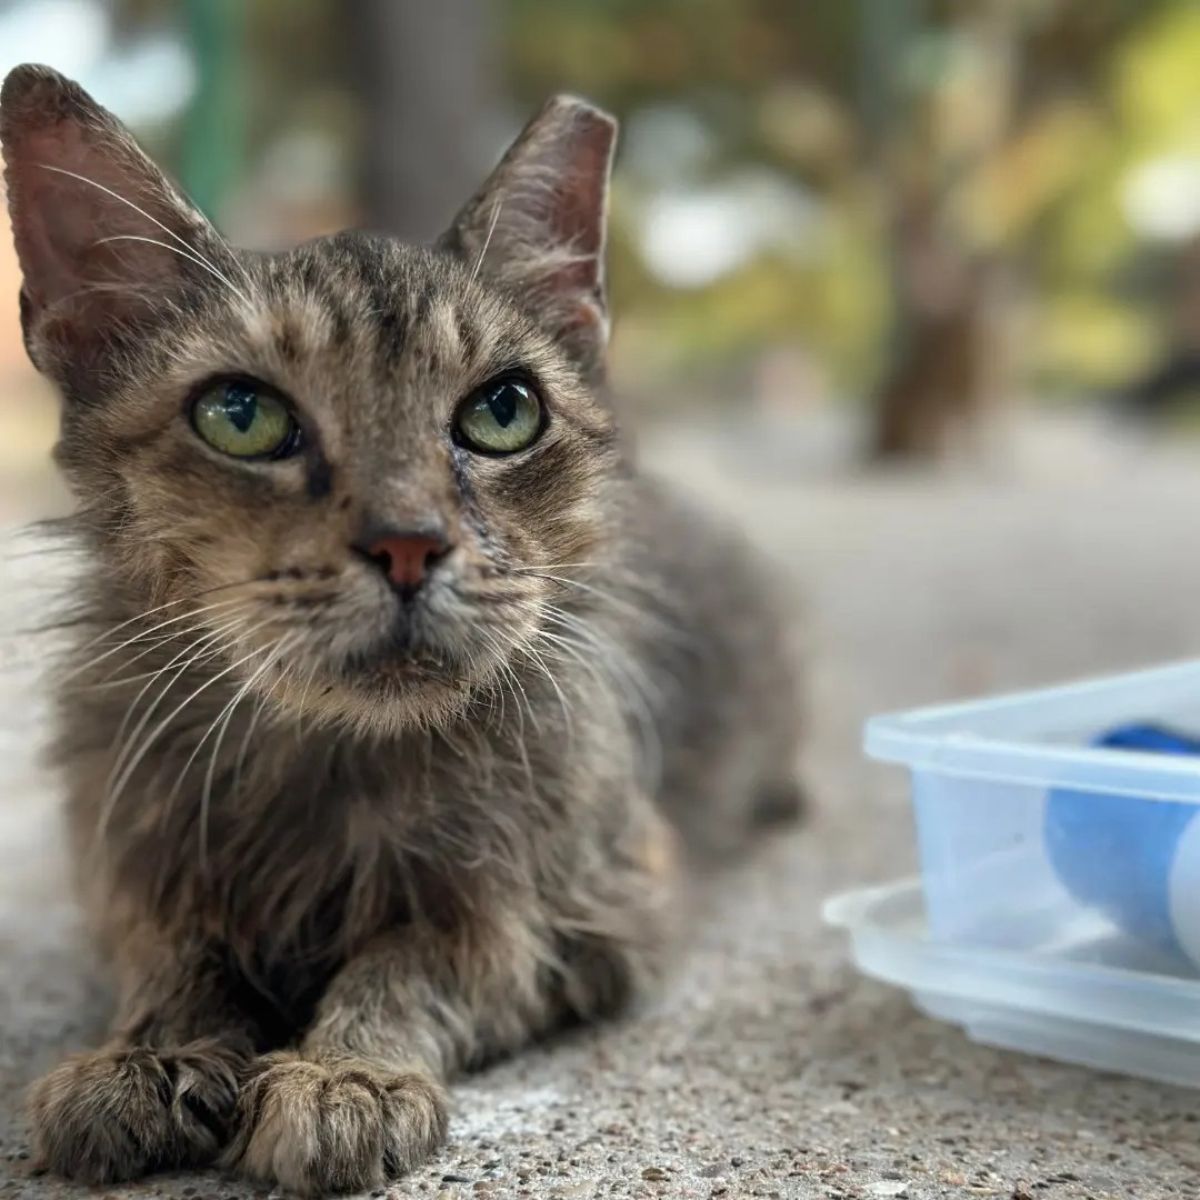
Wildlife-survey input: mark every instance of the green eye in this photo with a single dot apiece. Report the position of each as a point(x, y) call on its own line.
point(245, 419)
point(502, 417)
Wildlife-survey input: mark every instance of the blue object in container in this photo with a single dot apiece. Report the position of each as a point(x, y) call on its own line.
point(1132, 858)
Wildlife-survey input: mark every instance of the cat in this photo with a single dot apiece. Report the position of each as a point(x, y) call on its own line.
point(400, 701)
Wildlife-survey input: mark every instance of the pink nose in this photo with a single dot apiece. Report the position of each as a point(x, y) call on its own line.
point(406, 558)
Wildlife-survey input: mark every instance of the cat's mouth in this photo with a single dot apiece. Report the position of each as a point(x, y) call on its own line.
point(425, 650)
point(401, 661)
point(405, 655)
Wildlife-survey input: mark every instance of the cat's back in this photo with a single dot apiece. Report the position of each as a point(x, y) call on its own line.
point(718, 634)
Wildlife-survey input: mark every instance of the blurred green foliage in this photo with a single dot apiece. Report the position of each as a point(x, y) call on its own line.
point(844, 98)
point(1055, 136)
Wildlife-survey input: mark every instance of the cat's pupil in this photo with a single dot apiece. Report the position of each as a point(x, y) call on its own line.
point(503, 404)
point(241, 405)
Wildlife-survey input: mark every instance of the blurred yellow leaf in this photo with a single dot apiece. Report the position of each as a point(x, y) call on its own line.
point(1013, 188)
point(1093, 340)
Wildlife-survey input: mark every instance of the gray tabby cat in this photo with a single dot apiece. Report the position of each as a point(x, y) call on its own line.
point(398, 695)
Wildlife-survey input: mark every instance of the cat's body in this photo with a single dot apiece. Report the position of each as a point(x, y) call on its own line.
point(313, 843)
point(381, 748)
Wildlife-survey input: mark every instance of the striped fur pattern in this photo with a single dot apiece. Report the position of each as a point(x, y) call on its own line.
point(337, 848)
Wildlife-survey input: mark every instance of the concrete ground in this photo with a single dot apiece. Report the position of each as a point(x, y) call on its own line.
point(770, 1068)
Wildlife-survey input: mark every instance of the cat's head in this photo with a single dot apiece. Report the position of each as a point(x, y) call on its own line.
point(347, 470)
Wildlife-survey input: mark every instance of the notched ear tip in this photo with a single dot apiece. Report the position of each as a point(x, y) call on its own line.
point(26, 79)
point(33, 95)
point(579, 115)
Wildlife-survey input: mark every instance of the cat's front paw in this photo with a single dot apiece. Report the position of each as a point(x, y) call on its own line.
point(120, 1113)
point(319, 1128)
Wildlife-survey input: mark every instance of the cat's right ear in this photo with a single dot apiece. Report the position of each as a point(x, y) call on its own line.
point(101, 235)
point(538, 224)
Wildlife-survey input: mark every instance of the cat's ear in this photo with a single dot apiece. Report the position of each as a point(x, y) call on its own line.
point(538, 224)
point(101, 235)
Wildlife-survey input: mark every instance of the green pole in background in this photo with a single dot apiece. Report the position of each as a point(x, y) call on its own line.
point(214, 128)
point(886, 29)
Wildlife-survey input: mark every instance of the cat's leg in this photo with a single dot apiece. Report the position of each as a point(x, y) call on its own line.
point(162, 1090)
point(363, 1098)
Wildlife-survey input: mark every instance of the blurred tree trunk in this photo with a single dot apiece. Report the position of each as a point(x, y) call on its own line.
point(429, 88)
point(1175, 375)
point(944, 342)
point(937, 383)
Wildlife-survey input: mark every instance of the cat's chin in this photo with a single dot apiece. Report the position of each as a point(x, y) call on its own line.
point(401, 669)
point(390, 690)
point(386, 703)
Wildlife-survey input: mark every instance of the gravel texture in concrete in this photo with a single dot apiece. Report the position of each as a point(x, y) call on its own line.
point(769, 1068)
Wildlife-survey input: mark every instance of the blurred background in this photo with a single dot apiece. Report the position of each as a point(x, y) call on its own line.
point(897, 219)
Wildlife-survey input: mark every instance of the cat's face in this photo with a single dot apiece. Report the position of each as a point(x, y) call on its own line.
point(347, 471)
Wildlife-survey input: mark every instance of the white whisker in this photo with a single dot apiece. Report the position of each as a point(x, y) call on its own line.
point(193, 652)
point(134, 760)
point(196, 652)
point(195, 612)
point(195, 258)
point(487, 241)
point(223, 718)
point(247, 738)
point(539, 661)
point(200, 259)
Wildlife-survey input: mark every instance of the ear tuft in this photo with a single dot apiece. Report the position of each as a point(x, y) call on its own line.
point(538, 224)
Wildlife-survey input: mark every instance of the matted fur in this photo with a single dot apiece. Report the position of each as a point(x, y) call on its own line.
point(336, 845)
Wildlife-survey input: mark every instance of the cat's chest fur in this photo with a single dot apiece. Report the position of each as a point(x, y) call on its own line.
point(305, 847)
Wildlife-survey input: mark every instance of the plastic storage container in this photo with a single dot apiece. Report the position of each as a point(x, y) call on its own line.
point(1058, 908)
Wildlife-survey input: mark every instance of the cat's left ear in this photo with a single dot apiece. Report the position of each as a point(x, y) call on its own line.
point(101, 236)
point(538, 224)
